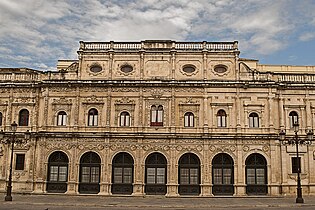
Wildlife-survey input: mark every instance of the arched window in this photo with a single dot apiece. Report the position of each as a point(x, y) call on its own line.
point(122, 174)
point(222, 175)
point(62, 118)
point(155, 174)
point(0, 119)
point(90, 167)
point(221, 116)
point(189, 119)
point(189, 174)
point(92, 117)
point(256, 175)
point(125, 119)
point(294, 118)
point(57, 172)
point(157, 115)
point(253, 120)
point(23, 117)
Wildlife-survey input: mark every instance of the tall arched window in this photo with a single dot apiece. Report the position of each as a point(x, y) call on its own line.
point(253, 120)
point(294, 118)
point(23, 117)
point(122, 174)
point(124, 119)
point(90, 167)
point(92, 117)
point(155, 174)
point(62, 118)
point(57, 172)
point(157, 115)
point(256, 174)
point(221, 116)
point(189, 174)
point(222, 175)
point(189, 119)
point(0, 119)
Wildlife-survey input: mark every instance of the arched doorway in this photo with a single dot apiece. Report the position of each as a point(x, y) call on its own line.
point(57, 176)
point(222, 175)
point(189, 175)
point(122, 174)
point(155, 174)
point(256, 175)
point(90, 167)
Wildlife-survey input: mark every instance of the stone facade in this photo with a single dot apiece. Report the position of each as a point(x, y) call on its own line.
point(158, 117)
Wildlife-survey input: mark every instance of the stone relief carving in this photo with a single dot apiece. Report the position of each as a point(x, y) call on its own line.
point(125, 89)
point(62, 100)
point(93, 100)
point(62, 89)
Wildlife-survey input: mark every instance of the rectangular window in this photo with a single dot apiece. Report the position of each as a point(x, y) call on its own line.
point(193, 176)
point(95, 120)
point(62, 173)
point(251, 176)
point(260, 175)
point(184, 175)
point(86, 174)
point(295, 164)
point(95, 174)
point(127, 175)
point(160, 177)
point(19, 163)
point(227, 173)
point(53, 176)
point(117, 175)
point(217, 176)
point(160, 116)
point(151, 175)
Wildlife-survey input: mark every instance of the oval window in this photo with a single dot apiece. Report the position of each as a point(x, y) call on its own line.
point(220, 68)
point(95, 68)
point(126, 68)
point(189, 68)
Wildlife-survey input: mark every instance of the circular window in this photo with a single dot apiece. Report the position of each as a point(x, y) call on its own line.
point(189, 68)
point(220, 68)
point(126, 68)
point(95, 68)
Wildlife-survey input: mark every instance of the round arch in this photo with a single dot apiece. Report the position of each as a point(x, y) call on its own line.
point(189, 174)
point(155, 174)
point(89, 178)
point(222, 174)
point(122, 173)
point(256, 174)
point(57, 173)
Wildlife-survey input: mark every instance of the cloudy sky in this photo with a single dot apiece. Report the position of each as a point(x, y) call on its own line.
point(36, 33)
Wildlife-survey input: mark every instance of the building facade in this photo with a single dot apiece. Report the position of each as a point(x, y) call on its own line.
point(158, 117)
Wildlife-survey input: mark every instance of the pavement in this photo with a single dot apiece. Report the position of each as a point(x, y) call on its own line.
point(55, 201)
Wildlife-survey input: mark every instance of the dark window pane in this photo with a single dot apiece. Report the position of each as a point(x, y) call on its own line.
point(19, 164)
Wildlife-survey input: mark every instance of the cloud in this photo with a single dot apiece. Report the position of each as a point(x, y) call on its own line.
point(307, 36)
point(36, 33)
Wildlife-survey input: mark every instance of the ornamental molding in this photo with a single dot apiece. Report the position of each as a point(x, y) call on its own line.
point(62, 89)
point(189, 101)
point(222, 104)
point(62, 101)
point(190, 90)
point(93, 100)
point(24, 101)
point(24, 90)
point(124, 100)
point(125, 89)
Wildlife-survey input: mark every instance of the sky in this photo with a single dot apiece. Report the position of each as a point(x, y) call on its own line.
point(36, 33)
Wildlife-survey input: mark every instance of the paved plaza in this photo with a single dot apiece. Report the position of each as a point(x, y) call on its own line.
point(58, 202)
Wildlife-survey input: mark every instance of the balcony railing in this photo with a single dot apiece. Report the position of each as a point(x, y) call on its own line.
point(161, 45)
